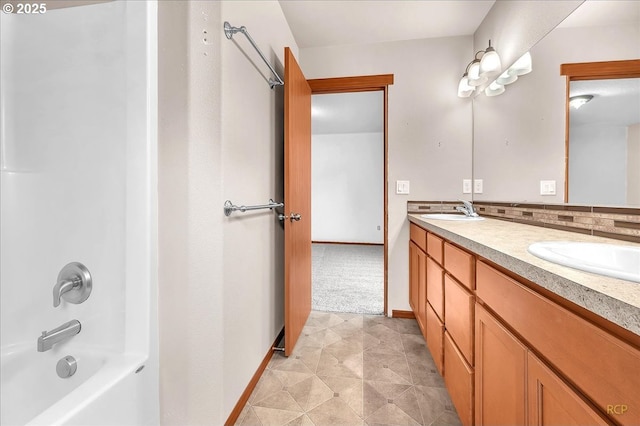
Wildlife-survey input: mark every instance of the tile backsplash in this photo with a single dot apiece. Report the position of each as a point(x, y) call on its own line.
point(620, 223)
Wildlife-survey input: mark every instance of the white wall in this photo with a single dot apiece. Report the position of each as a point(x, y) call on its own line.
point(190, 234)
point(429, 127)
point(519, 136)
point(597, 164)
point(220, 138)
point(347, 187)
point(252, 172)
point(633, 165)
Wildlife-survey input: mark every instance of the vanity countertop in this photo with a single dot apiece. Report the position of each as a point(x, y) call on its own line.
point(505, 244)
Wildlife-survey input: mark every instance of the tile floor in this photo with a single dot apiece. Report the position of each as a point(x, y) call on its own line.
point(352, 369)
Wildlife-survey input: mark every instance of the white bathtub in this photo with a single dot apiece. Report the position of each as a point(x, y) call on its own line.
point(98, 393)
point(77, 178)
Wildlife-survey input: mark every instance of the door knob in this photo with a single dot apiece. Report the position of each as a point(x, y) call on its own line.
point(292, 217)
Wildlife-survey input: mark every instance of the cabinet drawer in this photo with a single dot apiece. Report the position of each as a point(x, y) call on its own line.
point(460, 264)
point(434, 247)
point(602, 366)
point(418, 236)
point(458, 311)
point(459, 380)
point(435, 331)
point(435, 289)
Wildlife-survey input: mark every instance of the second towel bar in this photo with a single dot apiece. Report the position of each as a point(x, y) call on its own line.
point(229, 207)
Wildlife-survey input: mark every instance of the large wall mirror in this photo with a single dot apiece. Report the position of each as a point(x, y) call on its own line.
point(519, 136)
point(603, 133)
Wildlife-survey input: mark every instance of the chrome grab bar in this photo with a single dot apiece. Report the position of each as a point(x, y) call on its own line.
point(229, 207)
point(229, 31)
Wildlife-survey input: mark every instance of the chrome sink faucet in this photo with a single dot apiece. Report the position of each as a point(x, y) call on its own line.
point(467, 209)
point(57, 335)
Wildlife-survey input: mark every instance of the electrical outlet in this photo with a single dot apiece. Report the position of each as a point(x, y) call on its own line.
point(402, 187)
point(466, 186)
point(547, 187)
point(477, 186)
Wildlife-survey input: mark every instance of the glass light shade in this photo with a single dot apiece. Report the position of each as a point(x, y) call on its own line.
point(522, 66)
point(475, 79)
point(490, 62)
point(464, 89)
point(576, 102)
point(494, 89)
point(507, 78)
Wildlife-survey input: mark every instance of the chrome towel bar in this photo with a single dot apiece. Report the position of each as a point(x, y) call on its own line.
point(229, 207)
point(229, 31)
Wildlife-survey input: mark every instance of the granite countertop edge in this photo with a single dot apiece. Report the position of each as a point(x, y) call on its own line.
point(614, 309)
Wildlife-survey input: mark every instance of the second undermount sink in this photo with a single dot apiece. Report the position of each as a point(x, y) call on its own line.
point(612, 260)
point(452, 216)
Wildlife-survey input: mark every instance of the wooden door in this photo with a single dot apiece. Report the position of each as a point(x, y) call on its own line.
point(297, 200)
point(500, 373)
point(552, 402)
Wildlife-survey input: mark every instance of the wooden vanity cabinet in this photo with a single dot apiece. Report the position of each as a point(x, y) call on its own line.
point(589, 363)
point(450, 324)
point(512, 353)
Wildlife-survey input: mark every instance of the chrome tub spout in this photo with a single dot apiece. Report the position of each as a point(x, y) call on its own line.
point(57, 335)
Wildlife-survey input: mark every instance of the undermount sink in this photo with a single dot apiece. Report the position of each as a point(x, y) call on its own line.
point(452, 216)
point(617, 261)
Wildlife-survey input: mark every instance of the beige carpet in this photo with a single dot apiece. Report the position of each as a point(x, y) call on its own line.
point(347, 278)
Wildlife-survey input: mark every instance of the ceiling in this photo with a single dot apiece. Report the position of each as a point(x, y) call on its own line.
point(357, 112)
point(317, 23)
point(615, 102)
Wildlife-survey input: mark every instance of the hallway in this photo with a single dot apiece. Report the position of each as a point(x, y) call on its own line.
point(352, 369)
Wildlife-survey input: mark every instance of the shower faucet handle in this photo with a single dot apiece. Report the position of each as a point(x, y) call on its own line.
point(74, 284)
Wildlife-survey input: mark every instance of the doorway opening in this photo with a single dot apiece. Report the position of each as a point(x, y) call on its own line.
point(348, 192)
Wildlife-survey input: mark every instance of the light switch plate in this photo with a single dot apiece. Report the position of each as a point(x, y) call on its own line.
point(547, 187)
point(477, 186)
point(402, 187)
point(466, 186)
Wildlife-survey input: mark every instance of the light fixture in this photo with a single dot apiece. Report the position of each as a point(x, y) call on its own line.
point(522, 66)
point(478, 71)
point(464, 89)
point(490, 62)
point(576, 102)
point(507, 78)
point(494, 89)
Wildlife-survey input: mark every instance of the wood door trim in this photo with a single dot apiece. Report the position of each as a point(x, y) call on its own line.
point(601, 70)
point(366, 83)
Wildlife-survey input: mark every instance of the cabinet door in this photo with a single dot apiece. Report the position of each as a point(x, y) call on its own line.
point(413, 277)
point(435, 287)
point(459, 380)
point(552, 402)
point(500, 373)
point(421, 300)
point(435, 335)
point(459, 305)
